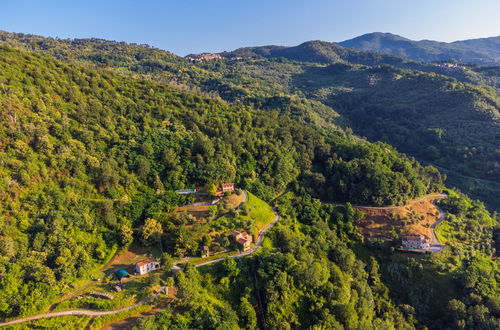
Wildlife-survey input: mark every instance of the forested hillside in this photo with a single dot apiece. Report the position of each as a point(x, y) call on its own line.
point(86, 152)
point(318, 274)
point(432, 117)
point(95, 143)
point(323, 52)
point(483, 51)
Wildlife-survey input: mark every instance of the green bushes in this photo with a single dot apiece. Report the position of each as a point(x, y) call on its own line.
point(99, 321)
point(60, 322)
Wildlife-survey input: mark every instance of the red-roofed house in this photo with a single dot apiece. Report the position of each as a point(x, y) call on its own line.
point(146, 266)
point(243, 239)
point(227, 187)
point(224, 188)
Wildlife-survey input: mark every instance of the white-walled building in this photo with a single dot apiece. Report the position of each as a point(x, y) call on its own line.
point(415, 242)
point(146, 266)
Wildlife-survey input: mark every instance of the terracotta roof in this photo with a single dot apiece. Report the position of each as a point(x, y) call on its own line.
point(242, 240)
point(235, 233)
point(204, 248)
point(145, 262)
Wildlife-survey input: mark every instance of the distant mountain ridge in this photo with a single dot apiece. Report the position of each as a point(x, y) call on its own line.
point(323, 52)
point(317, 51)
point(483, 51)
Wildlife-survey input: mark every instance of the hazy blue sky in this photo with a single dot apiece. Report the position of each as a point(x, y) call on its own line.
point(185, 26)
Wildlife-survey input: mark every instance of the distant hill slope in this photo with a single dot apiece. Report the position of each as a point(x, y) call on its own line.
point(429, 116)
point(317, 51)
point(484, 51)
point(323, 52)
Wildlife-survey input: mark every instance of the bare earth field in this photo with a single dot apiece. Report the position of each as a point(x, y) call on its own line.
point(200, 208)
point(414, 218)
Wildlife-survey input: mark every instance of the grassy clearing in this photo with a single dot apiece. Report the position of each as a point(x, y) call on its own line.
point(234, 200)
point(253, 216)
point(197, 260)
point(136, 288)
point(443, 231)
point(100, 321)
point(59, 322)
point(260, 212)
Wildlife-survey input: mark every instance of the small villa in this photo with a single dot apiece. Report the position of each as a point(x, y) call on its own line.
point(146, 266)
point(415, 242)
point(243, 239)
point(225, 188)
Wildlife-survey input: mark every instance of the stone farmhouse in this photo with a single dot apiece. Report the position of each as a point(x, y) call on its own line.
point(415, 242)
point(146, 266)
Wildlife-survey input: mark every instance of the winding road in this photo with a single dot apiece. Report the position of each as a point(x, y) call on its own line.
point(176, 268)
point(435, 247)
point(80, 312)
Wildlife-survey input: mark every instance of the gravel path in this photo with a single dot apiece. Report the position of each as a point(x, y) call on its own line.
point(80, 312)
point(176, 268)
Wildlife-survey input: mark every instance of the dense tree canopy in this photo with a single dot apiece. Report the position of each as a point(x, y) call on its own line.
point(90, 159)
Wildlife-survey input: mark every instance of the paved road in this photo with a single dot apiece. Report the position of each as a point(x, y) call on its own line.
point(435, 246)
point(80, 312)
point(454, 172)
point(176, 268)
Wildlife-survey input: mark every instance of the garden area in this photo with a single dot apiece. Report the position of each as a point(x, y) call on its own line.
point(205, 208)
point(391, 222)
point(253, 216)
point(132, 289)
point(184, 234)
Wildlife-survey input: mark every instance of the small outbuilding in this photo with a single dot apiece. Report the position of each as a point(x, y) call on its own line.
point(121, 273)
point(205, 251)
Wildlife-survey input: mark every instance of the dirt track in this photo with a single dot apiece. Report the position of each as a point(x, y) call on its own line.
point(258, 244)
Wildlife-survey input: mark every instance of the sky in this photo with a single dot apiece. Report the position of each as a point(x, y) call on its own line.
point(194, 26)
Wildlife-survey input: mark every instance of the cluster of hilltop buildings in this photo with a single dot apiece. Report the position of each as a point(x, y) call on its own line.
point(203, 57)
point(453, 66)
